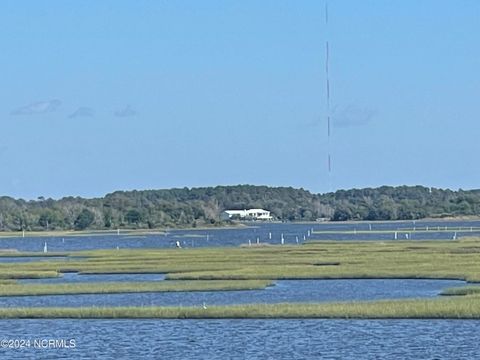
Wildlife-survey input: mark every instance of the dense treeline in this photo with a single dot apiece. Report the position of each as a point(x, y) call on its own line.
point(202, 206)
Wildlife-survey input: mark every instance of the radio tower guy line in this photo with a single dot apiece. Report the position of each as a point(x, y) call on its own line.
point(327, 54)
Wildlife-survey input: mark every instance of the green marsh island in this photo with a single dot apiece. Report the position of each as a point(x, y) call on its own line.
point(252, 268)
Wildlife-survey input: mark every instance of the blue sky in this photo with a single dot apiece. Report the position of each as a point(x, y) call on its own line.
point(98, 96)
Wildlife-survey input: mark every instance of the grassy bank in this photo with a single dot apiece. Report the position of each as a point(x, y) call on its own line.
point(211, 269)
point(322, 260)
point(402, 231)
point(460, 291)
point(464, 308)
point(75, 233)
point(12, 274)
point(123, 231)
point(129, 287)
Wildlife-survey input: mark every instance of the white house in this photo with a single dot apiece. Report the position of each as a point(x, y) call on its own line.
point(251, 214)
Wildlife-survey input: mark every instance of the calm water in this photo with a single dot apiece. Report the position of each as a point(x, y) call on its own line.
point(283, 291)
point(242, 339)
point(264, 232)
point(187, 238)
point(247, 339)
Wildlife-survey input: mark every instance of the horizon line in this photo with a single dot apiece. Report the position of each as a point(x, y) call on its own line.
point(43, 198)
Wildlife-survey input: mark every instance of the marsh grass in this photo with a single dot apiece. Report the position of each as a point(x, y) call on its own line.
point(402, 231)
point(17, 254)
point(461, 291)
point(465, 308)
point(393, 259)
point(126, 232)
point(129, 287)
point(6, 274)
point(210, 269)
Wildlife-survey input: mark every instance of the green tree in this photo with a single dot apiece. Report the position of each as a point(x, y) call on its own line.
point(342, 214)
point(48, 219)
point(133, 216)
point(84, 219)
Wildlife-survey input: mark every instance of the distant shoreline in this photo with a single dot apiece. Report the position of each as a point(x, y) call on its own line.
point(237, 225)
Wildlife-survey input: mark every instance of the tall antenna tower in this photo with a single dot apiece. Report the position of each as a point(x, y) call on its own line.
point(327, 80)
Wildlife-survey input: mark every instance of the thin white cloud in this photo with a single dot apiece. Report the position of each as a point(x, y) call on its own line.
point(82, 111)
point(351, 115)
point(125, 112)
point(345, 116)
point(39, 107)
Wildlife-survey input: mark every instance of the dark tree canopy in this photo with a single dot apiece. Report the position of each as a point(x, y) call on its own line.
point(84, 219)
point(202, 206)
